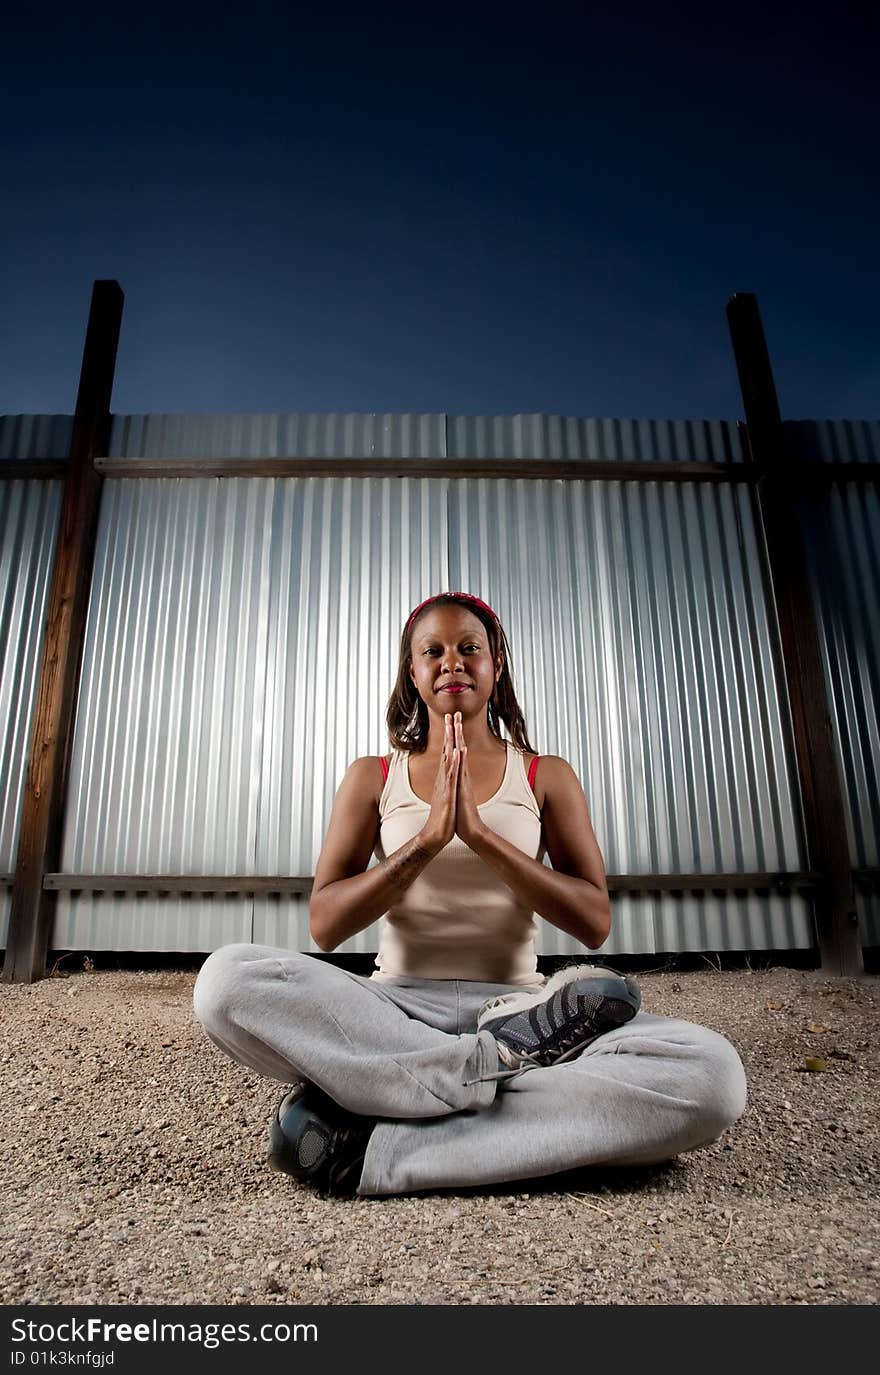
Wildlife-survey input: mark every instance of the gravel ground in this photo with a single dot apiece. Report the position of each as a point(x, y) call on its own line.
point(132, 1171)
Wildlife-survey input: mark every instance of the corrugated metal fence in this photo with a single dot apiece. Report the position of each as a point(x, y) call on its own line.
point(242, 636)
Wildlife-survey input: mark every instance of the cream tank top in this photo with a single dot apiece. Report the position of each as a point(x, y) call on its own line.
point(458, 919)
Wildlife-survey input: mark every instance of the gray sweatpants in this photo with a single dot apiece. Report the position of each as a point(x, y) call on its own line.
point(408, 1053)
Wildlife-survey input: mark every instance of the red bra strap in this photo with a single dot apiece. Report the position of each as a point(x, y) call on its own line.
point(384, 762)
point(532, 770)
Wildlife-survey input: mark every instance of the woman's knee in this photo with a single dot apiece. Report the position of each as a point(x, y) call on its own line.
point(211, 991)
point(723, 1095)
point(222, 983)
point(237, 975)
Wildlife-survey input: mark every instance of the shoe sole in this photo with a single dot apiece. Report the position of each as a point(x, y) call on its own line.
point(278, 1148)
point(282, 1153)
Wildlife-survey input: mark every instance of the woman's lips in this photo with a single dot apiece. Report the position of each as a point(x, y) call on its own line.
point(458, 687)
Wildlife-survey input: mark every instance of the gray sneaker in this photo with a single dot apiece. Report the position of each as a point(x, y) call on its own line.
point(555, 1023)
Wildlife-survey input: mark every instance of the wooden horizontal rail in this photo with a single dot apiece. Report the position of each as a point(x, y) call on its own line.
point(32, 467)
point(419, 467)
point(292, 884)
point(782, 881)
point(258, 884)
point(809, 475)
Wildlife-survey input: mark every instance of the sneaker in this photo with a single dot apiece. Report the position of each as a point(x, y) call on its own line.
point(317, 1141)
point(561, 1019)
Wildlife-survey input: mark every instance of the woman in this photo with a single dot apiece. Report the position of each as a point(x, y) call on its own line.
point(456, 1063)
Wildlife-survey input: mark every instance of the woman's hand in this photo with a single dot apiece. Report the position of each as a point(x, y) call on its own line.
point(467, 820)
point(439, 828)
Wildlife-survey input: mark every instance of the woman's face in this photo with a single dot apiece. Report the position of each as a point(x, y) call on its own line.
point(451, 645)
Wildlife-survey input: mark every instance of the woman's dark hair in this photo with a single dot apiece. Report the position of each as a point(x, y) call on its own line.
point(407, 715)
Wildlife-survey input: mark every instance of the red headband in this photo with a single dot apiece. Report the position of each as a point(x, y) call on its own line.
point(466, 595)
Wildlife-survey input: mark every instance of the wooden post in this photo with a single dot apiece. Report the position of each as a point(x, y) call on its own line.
point(33, 908)
point(775, 494)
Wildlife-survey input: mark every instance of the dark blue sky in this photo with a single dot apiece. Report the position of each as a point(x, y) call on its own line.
point(462, 208)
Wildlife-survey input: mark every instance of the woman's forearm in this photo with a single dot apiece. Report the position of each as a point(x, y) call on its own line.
point(351, 904)
point(575, 905)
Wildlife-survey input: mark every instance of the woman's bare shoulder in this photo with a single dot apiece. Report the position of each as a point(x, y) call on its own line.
point(368, 775)
point(551, 765)
point(551, 774)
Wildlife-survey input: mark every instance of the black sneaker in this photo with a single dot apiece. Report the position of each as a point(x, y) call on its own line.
point(317, 1141)
point(558, 1021)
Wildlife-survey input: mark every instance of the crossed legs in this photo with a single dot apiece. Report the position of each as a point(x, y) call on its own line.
point(407, 1053)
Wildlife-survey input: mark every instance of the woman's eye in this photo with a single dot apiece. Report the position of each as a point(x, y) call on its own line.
point(474, 648)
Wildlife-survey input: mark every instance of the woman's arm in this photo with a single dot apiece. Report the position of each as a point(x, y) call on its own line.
point(573, 894)
point(346, 896)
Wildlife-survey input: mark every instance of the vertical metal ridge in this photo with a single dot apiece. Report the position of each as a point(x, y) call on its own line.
point(364, 435)
point(525, 436)
point(834, 441)
point(292, 435)
point(29, 514)
point(35, 436)
point(569, 438)
point(842, 539)
point(167, 750)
